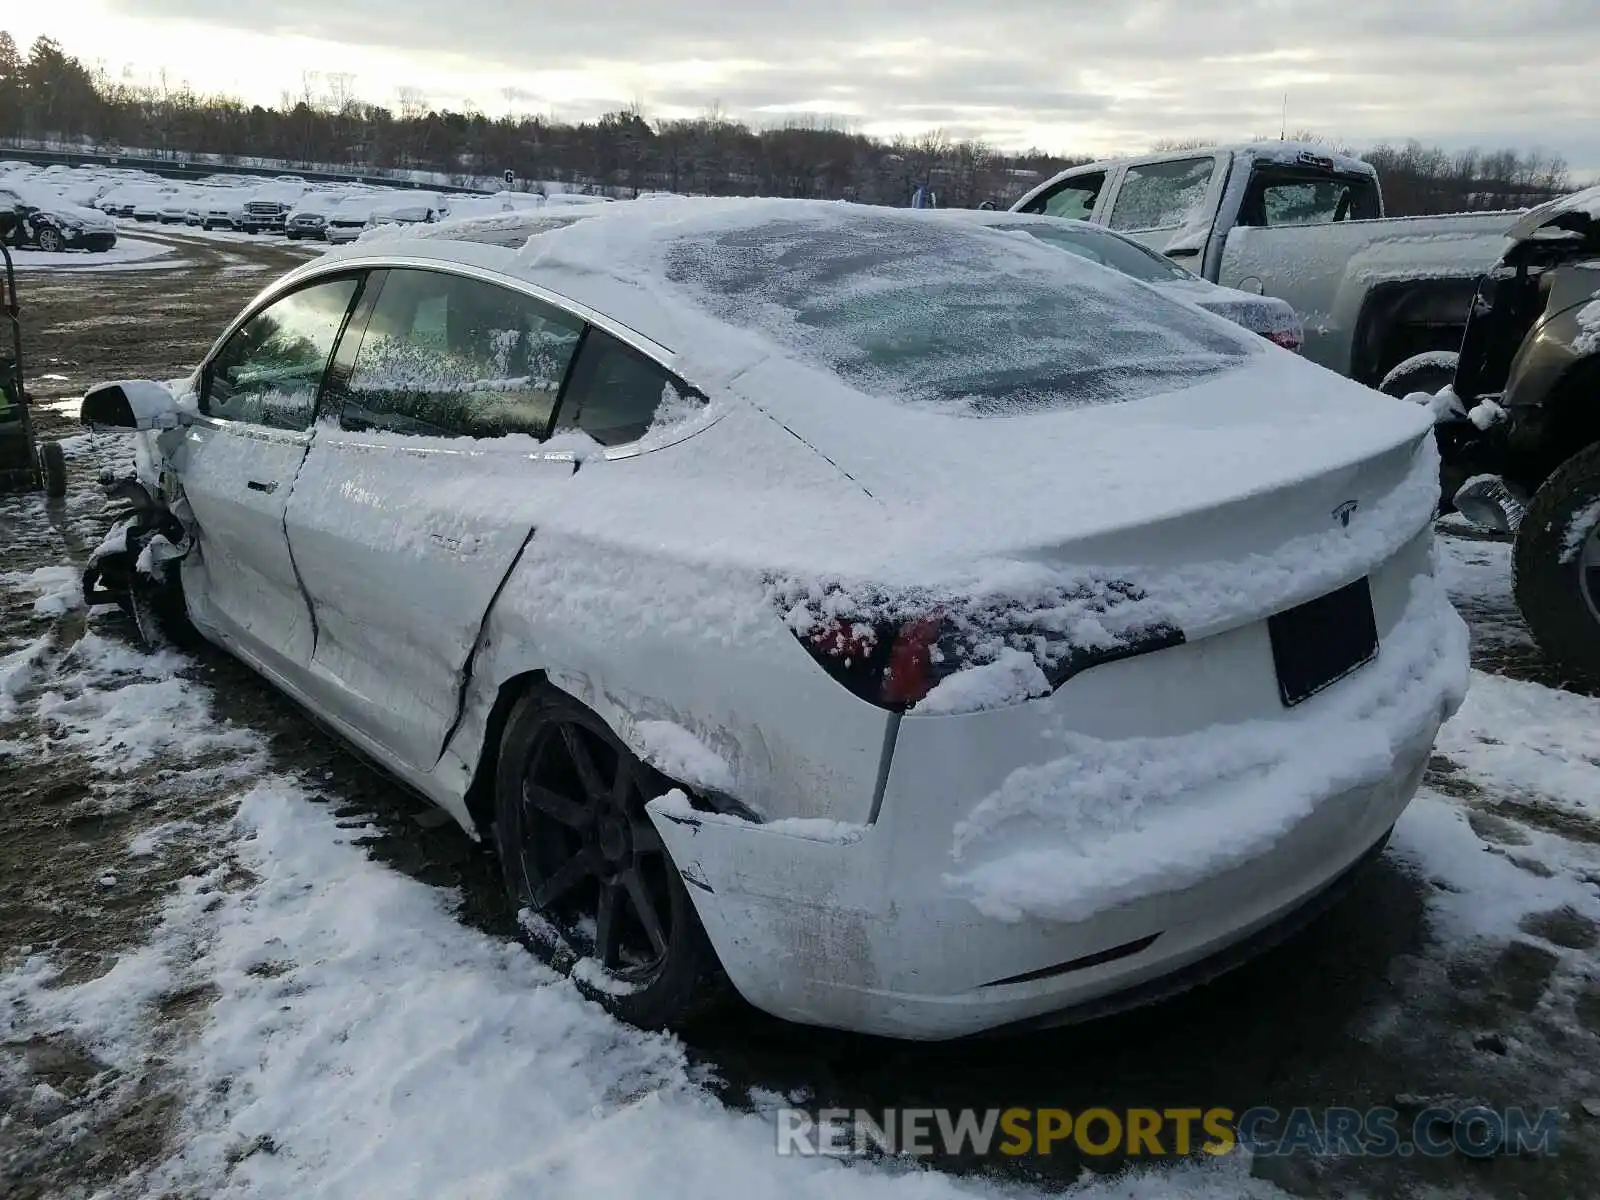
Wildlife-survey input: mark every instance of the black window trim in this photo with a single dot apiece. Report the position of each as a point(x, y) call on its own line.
point(261, 305)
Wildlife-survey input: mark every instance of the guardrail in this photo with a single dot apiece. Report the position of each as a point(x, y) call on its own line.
point(173, 168)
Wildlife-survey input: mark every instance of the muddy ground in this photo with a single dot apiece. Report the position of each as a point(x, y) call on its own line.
point(1291, 1028)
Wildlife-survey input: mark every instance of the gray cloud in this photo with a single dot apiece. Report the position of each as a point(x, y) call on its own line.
point(1068, 73)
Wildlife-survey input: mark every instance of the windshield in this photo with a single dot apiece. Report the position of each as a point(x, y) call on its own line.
point(940, 311)
point(1107, 249)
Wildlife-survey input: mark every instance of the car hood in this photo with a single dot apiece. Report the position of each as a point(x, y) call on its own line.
point(84, 218)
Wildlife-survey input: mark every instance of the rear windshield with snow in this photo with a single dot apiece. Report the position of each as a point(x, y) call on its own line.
point(945, 313)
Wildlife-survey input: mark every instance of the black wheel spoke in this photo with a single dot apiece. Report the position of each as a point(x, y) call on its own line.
point(554, 804)
point(571, 873)
point(645, 837)
point(645, 907)
point(623, 783)
point(583, 763)
point(605, 926)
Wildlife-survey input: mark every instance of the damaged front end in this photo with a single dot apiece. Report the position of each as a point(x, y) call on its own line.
point(136, 566)
point(1508, 421)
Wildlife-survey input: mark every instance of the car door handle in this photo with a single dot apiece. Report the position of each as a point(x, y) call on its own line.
point(256, 485)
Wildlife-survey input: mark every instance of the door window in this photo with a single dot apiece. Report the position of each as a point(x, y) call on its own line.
point(617, 394)
point(1073, 198)
point(448, 356)
point(269, 371)
point(1163, 195)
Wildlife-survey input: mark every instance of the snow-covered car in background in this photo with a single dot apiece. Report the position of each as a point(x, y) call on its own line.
point(1272, 318)
point(349, 218)
point(176, 206)
point(223, 209)
point(407, 208)
point(920, 627)
point(267, 207)
point(309, 218)
point(52, 224)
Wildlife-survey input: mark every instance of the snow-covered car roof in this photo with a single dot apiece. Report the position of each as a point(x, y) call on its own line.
point(921, 307)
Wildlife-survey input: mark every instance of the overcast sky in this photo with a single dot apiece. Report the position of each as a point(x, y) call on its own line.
point(1067, 75)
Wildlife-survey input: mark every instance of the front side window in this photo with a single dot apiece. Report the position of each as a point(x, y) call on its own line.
point(270, 370)
point(1073, 198)
point(448, 356)
point(1163, 195)
point(617, 394)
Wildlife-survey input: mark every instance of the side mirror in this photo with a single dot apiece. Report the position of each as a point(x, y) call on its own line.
point(130, 404)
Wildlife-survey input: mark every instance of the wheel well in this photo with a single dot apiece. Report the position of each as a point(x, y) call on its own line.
point(480, 792)
point(1574, 414)
point(1399, 320)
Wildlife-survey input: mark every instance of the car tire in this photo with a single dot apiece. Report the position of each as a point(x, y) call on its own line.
point(584, 843)
point(1560, 600)
point(1428, 372)
point(158, 608)
point(50, 241)
point(53, 469)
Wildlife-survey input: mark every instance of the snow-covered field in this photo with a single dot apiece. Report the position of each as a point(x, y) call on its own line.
point(229, 972)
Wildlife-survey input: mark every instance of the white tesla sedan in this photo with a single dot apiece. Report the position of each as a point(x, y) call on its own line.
point(917, 627)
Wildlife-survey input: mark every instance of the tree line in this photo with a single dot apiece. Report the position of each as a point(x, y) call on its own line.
point(48, 94)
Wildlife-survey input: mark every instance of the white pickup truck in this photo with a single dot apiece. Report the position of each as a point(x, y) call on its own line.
point(1294, 221)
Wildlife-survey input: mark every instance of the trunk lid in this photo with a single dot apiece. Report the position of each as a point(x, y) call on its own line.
point(1278, 463)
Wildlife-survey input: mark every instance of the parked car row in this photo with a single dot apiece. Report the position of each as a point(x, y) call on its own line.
point(286, 205)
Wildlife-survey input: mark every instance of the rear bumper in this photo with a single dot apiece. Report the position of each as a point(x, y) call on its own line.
point(1035, 861)
point(927, 968)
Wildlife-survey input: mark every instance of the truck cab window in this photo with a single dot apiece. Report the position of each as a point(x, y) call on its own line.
point(1284, 199)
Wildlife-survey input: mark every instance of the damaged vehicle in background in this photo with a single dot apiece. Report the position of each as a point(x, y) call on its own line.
point(1518, 421)
point(46, 222)
point(913, 626)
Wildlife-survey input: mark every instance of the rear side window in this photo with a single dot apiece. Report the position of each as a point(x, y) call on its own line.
point(616, 394)
point(1289, 201)
point(1164, 195)
point(270, 370)
point(1073, 198)
point(448, 356)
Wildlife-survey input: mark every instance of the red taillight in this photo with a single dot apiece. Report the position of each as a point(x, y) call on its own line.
point(1289, 339)
point(910, 674)
point(889, 665)
point(893, 649)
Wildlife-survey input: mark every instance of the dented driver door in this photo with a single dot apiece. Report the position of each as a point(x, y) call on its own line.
point(419, 492)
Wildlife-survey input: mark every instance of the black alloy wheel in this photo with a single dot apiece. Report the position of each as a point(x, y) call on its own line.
point(578, 849)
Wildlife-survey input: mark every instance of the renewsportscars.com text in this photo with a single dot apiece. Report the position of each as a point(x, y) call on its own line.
point(1165, 1132)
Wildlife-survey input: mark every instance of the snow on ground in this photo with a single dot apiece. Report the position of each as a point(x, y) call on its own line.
point(126, 253)
point(1534, 743)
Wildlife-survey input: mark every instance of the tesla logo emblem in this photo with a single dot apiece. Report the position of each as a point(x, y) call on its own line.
point(1344, 512)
